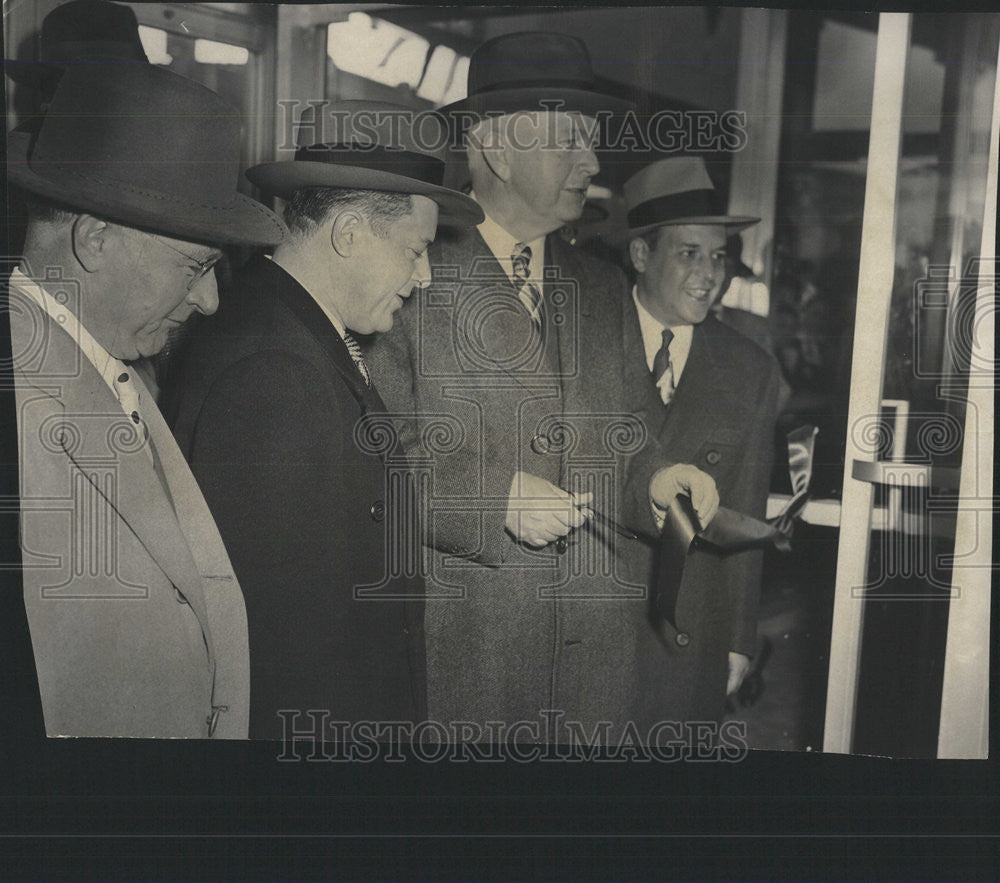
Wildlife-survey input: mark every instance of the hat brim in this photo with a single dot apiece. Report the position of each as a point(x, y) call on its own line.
point(33, 74)
point(284, 178)
point(537, 98)
point(241, 222)
point(45, 75)
point(621, 236)
point(732, 223)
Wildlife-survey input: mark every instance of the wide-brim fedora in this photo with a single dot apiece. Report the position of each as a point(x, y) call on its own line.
point(532, 71)
point(81, 32)
point(374, 145)
point(145, 147)
point(675, 191)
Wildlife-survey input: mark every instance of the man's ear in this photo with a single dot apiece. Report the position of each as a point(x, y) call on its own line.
point(638, 251)
point(489, 140)
point(344, 232)
point(91, 241)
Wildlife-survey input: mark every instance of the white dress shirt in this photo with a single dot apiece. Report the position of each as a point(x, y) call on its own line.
point(652, 339)
point(501, 243)
point(123, 380)
point(106, 365)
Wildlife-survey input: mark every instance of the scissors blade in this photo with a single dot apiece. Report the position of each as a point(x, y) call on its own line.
point(609, 522)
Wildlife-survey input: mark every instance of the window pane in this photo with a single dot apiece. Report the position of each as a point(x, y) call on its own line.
point(211, 52)
point(154, 44)
point(376, 50)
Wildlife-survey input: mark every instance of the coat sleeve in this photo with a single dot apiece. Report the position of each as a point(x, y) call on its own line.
point(464, 473)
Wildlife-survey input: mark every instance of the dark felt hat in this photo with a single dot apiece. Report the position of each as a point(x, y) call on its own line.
point(81, 32)
point(533, 71)
point(372, 145)
point(145, 147)
point(676, 190)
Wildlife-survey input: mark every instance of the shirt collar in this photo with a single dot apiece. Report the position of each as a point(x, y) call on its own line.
point(652, 335)
point(502, 243)
point(107, 365)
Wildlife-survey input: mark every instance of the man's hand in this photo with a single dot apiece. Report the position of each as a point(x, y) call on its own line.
point(538, 512)
point(670, 481)
point(739, 665)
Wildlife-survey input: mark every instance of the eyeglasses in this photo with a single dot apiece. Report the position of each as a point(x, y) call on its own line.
point(201, 268)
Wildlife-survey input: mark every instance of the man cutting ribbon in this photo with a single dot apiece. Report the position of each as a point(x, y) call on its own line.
point(719, 392)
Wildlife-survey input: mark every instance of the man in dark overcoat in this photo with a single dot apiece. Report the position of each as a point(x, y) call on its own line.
point(719, 395)
point(287, 434)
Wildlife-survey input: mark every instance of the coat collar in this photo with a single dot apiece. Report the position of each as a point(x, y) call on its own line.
point(318, 325)
point(98, 433)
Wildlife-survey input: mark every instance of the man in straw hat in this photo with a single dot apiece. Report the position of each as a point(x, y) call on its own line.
point(719, 392)
point(137, 621)
point(517, 352)
point(289, 438)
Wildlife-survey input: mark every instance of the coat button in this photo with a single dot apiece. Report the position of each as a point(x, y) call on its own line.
point(561, 545)
point(540, 444)
point(377, 511)
point(713, 457)
point(683, 639)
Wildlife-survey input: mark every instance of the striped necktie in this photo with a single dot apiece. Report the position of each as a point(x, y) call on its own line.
point(354, 348)
point(527, 291)
point(663, 368)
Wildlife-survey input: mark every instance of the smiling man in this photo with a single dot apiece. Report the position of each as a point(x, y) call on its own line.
point(281, 423)
point(137, 621)
point(719, 393)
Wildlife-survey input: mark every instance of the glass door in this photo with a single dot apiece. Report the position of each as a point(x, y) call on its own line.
point(908, 673)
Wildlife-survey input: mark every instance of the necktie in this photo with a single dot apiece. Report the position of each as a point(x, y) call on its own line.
point(527, 291)
point(359, 360)
point(663, 368)
point(128, 395)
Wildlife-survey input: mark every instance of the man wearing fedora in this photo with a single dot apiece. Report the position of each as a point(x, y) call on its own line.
point(507, 378)
point(137, 621)
point(79, 33)
point(288, 436)
point(719, 394)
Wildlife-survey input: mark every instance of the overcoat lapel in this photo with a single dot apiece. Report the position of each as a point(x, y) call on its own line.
point(565, 307)
point(317, 324)
point(484, 291)
point(704, 380)
point(97, 426)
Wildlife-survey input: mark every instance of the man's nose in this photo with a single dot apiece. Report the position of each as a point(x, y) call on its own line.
point(589, 163)
point(204, 294)
point(421, 277)
point(710, 269)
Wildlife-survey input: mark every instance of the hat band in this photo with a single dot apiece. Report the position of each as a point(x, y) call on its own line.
point(664, 209)
point(419, 166)
point(550, 83)
point(112, 50)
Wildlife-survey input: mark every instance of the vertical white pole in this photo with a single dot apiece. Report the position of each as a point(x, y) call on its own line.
point(753, 186)
point(964, 728)
point(870, 327)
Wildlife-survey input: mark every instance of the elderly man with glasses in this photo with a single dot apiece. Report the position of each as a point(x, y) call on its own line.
point(137, 621)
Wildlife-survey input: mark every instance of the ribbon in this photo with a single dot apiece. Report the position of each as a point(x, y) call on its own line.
point(730, 531)
point(801, 447)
